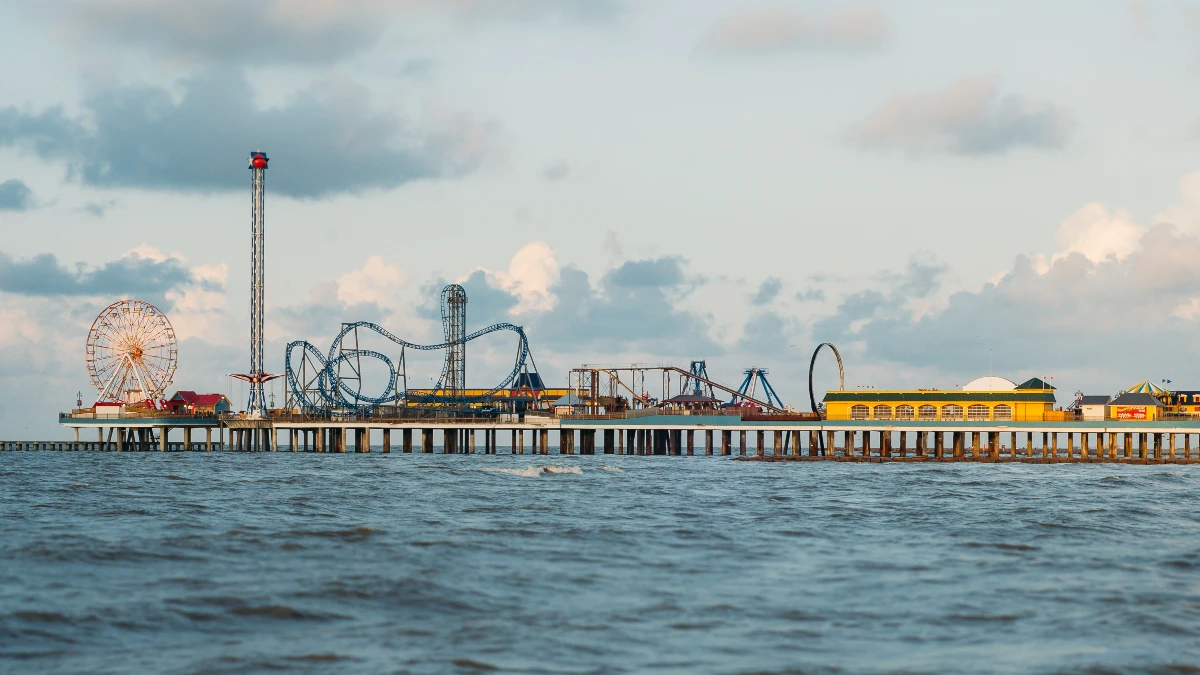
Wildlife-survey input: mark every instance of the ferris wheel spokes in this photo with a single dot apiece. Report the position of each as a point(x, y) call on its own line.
point(131, 352)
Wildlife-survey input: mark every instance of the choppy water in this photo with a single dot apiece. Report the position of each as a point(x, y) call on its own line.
point(202, 563)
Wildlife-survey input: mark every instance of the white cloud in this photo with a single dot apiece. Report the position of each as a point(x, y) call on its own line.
point(375, 282)
point(197, 309)
point(1118, 300)
point(531, 273)
point(1098, 233)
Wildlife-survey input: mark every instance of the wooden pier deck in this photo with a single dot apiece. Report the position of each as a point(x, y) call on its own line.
point(758, 439)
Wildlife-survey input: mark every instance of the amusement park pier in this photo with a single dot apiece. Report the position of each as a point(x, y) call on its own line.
point(614, 409)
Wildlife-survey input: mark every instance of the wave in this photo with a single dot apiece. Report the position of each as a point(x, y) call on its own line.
point(536, 471)
point(612, 469)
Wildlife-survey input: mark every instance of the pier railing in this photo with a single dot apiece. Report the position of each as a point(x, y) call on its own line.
point(87, 414)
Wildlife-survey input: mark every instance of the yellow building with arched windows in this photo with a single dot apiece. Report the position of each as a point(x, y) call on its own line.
point(987, 399)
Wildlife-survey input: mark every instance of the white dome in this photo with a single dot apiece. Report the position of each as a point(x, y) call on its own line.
point(989, 383)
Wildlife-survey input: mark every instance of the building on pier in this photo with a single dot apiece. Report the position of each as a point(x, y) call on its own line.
point(1136, 407)
point(191, 402)
point(1030, 401)
point(1093, 407)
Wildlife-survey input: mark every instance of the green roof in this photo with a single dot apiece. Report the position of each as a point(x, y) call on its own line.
point(941, 396)
point(1035, 383)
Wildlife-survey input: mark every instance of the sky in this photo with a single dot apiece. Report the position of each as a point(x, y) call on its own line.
point(941, 189)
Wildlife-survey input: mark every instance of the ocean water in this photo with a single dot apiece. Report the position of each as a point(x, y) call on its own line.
point(211, 563)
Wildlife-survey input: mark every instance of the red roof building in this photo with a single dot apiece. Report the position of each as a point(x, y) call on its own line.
point(191, 402)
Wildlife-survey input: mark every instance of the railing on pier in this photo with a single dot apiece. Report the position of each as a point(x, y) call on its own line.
point(88, 414)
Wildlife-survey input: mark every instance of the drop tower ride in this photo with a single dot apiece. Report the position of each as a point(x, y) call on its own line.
point(256, 406)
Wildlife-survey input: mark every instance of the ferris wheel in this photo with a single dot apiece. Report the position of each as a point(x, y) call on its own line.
point(131, 352)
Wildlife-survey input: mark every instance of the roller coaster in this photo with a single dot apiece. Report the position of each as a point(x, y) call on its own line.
point(323, 383)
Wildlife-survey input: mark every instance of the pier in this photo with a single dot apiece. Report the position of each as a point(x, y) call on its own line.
point(716, 435)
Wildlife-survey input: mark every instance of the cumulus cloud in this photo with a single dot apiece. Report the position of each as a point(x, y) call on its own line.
point(376, 282)
point(969, 117)
point(1115, 293)
point(779, 28)
point(1097, 234)
point(379, 292)
point(325, 140)
point(15, 195)
point(531, 273)
point(632, 308)
point(767, 291)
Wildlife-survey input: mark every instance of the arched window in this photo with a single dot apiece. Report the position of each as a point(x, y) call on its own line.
point(882, 412)
point(904, 412)
point(927, 412)
point(859, 412)
point(952, 412)
point(979, 411)
point(1002, 412)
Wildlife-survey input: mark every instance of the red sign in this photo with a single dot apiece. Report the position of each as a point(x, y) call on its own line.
point(1131, 413)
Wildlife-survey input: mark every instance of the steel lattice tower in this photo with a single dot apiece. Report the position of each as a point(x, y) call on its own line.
point(257, 405)
point(454, 319)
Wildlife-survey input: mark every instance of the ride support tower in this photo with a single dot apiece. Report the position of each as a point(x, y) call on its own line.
point(256, 406)
point(454, 319)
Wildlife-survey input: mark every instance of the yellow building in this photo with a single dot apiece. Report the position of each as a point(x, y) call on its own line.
point(986, 399)
point(1136, 407)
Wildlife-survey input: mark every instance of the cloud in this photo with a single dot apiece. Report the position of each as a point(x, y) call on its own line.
point(1116, 293)
point(612, 244)
point(524, 10)
point(416, 68)
point(969, 117)
point(376, 282)
point(1186, 215)
point(778, 28)
point(920, 279)
point(15, 195)
point(326, 140)
point(557, 171)
point(810, 295)
point(632, 308)
point(98, 208)
point(767, 291)
point(1098, 234)
point(267, 32)
point(42, 275)
point(531, 273)
point(769, 333)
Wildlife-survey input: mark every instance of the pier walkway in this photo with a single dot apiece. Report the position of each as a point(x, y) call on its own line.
point(780, 438)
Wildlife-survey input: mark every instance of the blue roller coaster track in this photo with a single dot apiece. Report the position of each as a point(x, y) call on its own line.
point(332, 393)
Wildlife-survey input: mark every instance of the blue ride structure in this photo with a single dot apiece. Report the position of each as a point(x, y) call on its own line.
point(331, 382)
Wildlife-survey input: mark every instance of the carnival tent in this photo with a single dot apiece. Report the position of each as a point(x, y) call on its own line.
point(1146, 387)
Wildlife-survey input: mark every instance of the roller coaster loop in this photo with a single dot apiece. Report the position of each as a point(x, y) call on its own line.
point(331, 392)
point(812, 399)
